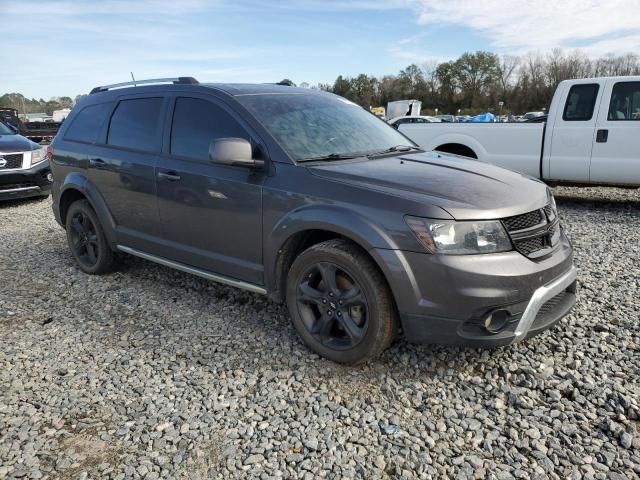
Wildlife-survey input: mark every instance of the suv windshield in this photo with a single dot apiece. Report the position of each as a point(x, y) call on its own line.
point(319, 126)
point(4, 130)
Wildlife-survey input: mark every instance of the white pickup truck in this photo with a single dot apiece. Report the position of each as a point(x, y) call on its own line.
point(591, 137)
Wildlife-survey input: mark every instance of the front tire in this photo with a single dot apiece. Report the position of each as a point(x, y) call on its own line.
point(340, 302)
point(86, 239)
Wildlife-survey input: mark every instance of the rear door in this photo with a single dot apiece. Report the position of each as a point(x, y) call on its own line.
point(573, 133)
point(616, 151)
point(123, 167)
point(211, 214)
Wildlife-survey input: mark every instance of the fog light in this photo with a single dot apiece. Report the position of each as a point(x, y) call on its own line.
point(496, 321)
point(50, 177)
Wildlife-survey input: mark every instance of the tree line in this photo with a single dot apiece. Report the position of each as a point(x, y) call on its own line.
point(31, 105)
point(480, 81)
point(475, 82)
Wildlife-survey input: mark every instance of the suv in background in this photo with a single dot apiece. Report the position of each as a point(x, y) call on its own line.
point(24, 169)
point(306, 197)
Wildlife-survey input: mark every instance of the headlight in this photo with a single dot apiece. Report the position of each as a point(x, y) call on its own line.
point(460, 238)
point(39, 155)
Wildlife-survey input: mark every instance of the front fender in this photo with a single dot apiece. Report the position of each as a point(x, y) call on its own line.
point(330, 218)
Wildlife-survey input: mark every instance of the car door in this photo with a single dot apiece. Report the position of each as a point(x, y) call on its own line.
point(211, 214)
point(122, 166)
point(616, 152)
point(573, 133)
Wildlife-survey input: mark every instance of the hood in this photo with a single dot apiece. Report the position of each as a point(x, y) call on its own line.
point(467, 189)
point(16, 143)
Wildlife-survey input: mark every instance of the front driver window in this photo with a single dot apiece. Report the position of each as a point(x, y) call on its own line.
point(196, 123)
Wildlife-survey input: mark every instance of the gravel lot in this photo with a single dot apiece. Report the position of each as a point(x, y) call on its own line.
point(149, 373)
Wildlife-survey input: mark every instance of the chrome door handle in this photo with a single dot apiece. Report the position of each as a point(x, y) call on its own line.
point(171, 176)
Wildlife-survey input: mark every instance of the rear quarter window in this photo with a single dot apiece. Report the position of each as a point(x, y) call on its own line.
point(86, 126)
point(580, 102)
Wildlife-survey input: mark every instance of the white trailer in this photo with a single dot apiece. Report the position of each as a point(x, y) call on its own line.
point(402, 108)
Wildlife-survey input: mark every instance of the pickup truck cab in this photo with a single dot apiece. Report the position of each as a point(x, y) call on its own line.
point(591, 137)
point(306, 197)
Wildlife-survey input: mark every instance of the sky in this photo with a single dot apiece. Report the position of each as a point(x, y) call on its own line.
point(66, 47)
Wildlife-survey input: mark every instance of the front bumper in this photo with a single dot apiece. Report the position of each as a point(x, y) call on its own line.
point(446, 299)
point(31, 182)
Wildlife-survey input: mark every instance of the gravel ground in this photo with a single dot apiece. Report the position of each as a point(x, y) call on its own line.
point(149, 373)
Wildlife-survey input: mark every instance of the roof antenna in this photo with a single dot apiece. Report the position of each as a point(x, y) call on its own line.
point(134, 80)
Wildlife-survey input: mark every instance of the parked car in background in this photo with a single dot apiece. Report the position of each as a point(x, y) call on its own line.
point(24, 169)
point(530, 116)
point(538, 119)
point(307, 197)
point(446, 118)
point(591, 136)
point(396, 122)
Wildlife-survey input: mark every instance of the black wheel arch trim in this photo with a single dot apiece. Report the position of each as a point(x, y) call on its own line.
point(80, 183)
point(336, 220)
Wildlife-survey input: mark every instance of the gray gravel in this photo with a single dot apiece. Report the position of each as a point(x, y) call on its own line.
point(149, 373)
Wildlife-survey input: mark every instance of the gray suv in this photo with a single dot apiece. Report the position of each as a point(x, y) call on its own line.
point(308, 198)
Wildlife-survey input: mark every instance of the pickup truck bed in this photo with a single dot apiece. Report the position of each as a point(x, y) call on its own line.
point(516, 146)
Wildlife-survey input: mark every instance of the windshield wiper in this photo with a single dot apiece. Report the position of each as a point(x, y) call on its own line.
point(347, 156)
point(332, 156)
point(396, 148)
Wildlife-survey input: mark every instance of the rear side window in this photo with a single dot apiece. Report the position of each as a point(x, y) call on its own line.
point(134, 124)
point(580, 103)
point(88, 123)
point(625, 101)
point(196, 123)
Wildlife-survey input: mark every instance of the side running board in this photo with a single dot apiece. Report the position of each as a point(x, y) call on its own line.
point(194, 271)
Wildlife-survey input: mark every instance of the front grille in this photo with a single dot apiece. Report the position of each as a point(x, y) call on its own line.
point(531, 245)
point(535, 233)
point(526, 220)
point(13, 160)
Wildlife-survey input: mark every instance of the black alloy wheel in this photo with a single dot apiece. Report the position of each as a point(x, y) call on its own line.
point(333, 306)
point(340, 302)
point(84, 239)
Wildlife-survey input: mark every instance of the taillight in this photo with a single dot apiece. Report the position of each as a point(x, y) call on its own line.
point(49, 152)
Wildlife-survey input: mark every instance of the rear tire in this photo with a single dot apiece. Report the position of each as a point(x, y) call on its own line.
point(340, 302)
point(87, 241)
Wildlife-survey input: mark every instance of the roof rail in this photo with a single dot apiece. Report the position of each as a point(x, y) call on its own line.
point(176, 80)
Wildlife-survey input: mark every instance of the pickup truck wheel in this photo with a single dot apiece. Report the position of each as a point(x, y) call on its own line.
point(86, 239)
point(340, 302)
